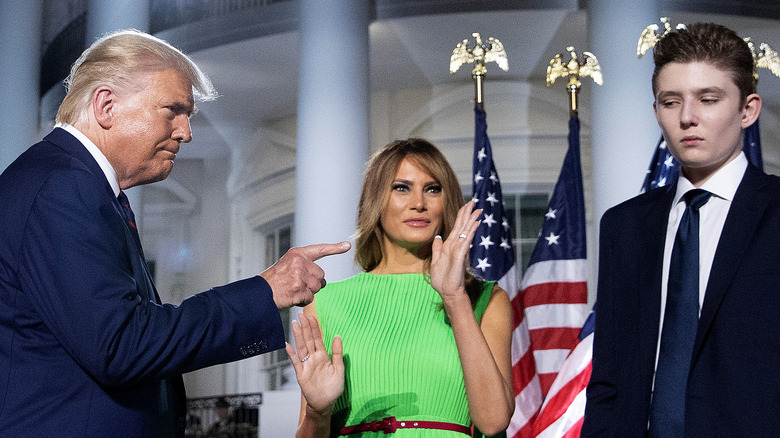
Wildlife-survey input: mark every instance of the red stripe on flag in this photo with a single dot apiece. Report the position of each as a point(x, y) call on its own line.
point(574, 430)
point(545, 381)
point(554, 338)
point(560, 402)
point(527, 431)
point(523, 371)
point(555, 293)
point(518, 313)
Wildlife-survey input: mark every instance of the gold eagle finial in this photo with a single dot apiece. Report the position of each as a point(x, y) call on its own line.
point(649, 38)
point(483, 52)
point(766, 58)
point(574, 68)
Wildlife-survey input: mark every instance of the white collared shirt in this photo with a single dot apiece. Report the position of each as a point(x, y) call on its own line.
point(712, 215)
point(101, 159)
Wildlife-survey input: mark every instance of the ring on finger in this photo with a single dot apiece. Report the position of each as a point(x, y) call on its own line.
point(305, 358)
point(462, 236)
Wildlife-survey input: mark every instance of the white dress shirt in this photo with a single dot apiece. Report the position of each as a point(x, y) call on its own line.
point(712, 215)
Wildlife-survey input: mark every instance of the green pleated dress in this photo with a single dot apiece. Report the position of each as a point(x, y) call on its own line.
point(399, 351)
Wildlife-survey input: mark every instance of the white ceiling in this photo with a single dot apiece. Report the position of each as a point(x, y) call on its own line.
point(257, 78)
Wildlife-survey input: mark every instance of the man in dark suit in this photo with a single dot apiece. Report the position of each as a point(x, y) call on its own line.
point(707, 369)
point(86, 347)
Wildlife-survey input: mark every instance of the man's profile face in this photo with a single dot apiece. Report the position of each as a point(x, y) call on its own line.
point(701, 114)
point(151, 120)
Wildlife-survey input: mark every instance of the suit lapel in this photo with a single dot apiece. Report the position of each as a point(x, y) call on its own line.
point(746, 210)
point(64, 140)
point(655, 217)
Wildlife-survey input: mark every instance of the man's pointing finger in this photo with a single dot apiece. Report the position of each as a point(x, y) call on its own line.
point(320, 250)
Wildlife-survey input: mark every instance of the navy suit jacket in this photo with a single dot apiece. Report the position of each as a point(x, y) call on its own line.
point(86, 350)
point(733, 389)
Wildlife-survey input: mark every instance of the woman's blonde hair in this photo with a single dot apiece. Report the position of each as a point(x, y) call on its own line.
point(116, 60)
point(377, 185)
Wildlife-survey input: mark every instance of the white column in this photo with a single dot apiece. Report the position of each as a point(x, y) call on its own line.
point(624, 131)
point(333, 125)
point(20, 52)
point(111, 15)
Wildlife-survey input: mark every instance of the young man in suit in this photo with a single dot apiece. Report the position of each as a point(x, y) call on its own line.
point(687, 340)
point(86, 347)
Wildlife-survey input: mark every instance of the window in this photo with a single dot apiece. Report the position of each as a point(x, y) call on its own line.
point(526, 214)
point(277, 242)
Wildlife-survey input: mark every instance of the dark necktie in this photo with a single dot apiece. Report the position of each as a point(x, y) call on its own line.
point(130, 218)
point(166, 393)
point(681, 317)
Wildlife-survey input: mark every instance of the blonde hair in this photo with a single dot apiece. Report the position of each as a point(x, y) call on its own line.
point(116, 60)
point(377, 184)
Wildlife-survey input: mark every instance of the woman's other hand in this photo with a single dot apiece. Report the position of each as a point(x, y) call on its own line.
point(449, 258)
point(320, 378)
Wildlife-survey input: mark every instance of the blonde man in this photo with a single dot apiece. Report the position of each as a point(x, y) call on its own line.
point(86, 347)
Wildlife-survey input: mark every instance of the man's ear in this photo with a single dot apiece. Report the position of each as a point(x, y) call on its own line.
point(104, 106)
point(751, 110)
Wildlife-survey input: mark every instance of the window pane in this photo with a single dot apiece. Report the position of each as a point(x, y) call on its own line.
point(270, 249)
point(526, 249)
point(533, 209)
point(285, 240)
point(278, 242)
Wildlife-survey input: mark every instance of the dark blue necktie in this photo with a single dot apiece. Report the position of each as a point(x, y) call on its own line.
point(681, 317)
point(130, 218)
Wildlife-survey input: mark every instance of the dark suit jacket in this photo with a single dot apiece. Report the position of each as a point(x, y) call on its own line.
point(85, 348)
point(734, 385)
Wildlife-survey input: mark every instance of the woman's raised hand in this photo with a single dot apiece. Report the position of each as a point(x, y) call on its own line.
point(449, 258)
point(321, 380)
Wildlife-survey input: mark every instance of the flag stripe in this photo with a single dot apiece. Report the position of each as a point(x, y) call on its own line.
point(524, 427)
point(555, 338)
point(556, 315)
point(568, 424)
point(576, 428)
point(555, 293)
point(528, 400)
point(523, 372)
point(564, 271)
point(555, 406)
point(549, 361)
point(521, 341)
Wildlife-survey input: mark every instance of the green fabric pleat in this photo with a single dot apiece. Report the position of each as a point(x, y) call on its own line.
point(399, 352)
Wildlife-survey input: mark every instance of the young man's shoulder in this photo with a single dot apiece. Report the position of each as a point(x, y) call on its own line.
point(649, 199)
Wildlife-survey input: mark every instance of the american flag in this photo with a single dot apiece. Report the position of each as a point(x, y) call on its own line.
point(664, 168)
point(752, 145)
point(563, 410)
point(552, 303)
point(492, 255)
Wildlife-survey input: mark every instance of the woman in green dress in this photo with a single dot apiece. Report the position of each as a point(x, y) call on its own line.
point(415, 345)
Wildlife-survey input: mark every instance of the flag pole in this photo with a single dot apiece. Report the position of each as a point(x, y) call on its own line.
point(560, 252)
point(491, 256)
